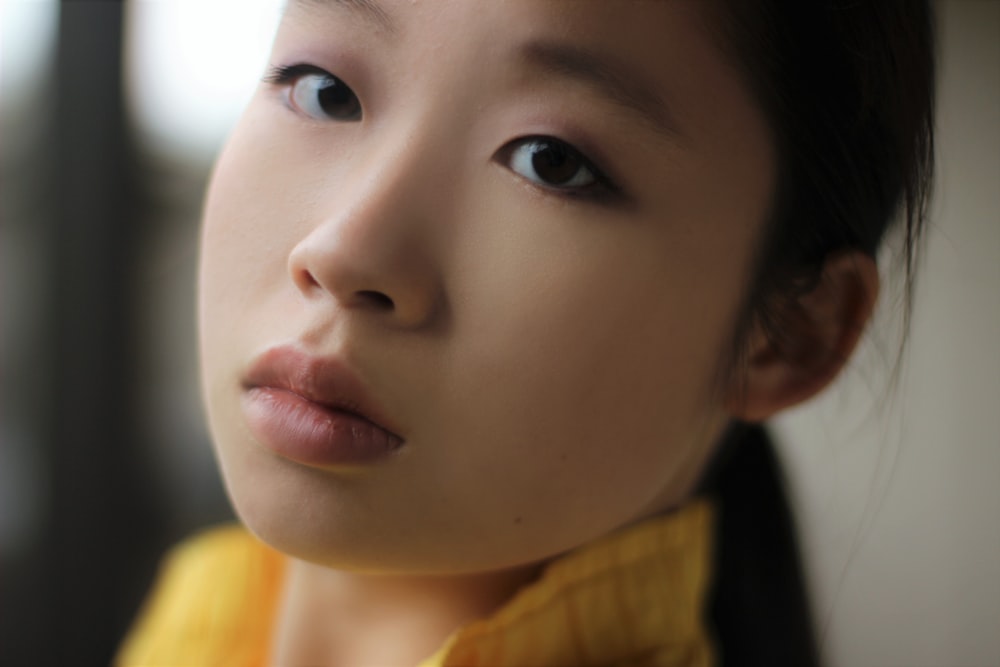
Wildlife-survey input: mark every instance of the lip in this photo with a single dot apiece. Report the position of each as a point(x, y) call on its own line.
point(314, 410)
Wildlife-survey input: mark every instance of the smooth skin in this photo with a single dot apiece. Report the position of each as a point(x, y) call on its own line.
point(551, 351)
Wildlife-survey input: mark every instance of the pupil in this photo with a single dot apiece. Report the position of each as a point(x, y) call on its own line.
point(337, 100)
point(553, 163)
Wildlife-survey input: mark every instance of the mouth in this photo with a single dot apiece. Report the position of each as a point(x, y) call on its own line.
point(314, 411)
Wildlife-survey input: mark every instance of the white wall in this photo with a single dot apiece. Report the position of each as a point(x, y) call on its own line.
point(899, 489)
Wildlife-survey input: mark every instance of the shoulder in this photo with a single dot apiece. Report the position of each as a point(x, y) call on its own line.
point(212, 603)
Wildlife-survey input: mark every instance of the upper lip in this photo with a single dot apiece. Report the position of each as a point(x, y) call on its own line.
point(326, 381)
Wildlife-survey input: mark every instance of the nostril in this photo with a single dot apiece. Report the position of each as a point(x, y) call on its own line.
point(377, 299)
point(304, 280)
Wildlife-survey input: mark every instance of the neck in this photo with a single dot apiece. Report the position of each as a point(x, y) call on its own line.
point(331, 617)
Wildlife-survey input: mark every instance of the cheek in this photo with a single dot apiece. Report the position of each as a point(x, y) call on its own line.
point(238, 223)
point(253, 214)
point(243, 288)
point(586, 366)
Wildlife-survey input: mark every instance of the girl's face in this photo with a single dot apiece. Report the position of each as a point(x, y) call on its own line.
point(515, 234)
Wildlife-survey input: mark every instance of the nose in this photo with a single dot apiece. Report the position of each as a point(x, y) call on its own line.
point(370, 249)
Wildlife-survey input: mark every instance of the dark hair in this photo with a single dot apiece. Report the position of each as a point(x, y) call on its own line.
point(847, 87)
point(759, 610)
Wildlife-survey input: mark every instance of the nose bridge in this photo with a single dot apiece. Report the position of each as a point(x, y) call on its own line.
point(385, 191)
point(372, 243)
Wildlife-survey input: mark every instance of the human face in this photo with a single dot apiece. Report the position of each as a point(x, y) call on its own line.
point(541, 330)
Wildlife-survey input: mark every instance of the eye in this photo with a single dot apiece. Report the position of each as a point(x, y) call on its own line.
point(553, 164)
point(317, 93)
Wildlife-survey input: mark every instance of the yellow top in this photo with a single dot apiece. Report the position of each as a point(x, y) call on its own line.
point(632, 598)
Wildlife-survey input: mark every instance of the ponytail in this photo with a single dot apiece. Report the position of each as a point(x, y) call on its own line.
point(759, 606)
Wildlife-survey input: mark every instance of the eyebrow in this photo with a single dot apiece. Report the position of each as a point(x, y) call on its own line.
point(607, 78)
point(367, 9)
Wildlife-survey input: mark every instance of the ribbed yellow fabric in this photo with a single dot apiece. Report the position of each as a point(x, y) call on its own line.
point(213, 604)
point(634, 598)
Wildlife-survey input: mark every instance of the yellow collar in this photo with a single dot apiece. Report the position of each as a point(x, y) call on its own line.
point(632, 598)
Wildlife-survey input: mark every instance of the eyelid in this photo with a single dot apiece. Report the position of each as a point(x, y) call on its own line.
point(603, 190)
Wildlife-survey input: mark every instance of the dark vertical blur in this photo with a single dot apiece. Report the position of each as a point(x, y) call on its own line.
point(68, 596)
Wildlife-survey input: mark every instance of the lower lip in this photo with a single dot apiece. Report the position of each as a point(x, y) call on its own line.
point(301, 430)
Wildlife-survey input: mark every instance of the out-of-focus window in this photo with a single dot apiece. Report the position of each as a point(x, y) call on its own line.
point(27, 39)
point(27, 31)
point(191, 65)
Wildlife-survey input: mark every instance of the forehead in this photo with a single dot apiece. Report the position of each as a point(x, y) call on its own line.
point(651, 57)
point(633, 23)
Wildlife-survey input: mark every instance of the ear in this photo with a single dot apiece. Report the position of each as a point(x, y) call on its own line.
point(819, 331)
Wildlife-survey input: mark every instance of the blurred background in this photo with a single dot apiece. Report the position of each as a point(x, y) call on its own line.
point(110, 115)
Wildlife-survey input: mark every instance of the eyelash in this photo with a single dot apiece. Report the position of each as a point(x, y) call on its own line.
point(603, 190)
point(282, 75)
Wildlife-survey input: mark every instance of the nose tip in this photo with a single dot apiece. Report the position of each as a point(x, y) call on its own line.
point(364, 275)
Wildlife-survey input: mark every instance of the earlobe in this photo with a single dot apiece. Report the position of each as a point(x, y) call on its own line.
point(807, 341)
